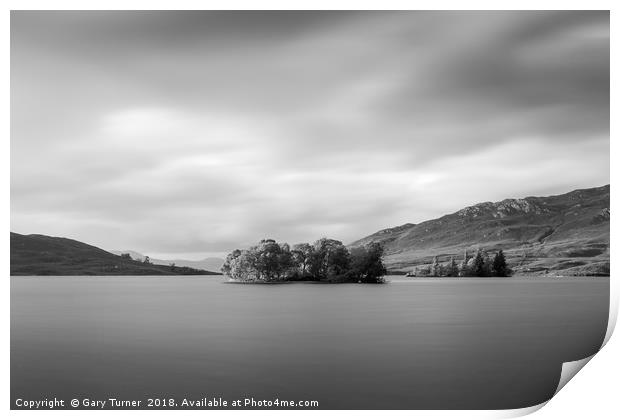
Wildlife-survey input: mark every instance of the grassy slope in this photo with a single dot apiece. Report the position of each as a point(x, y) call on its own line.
point(46, 255)
point(564, 234)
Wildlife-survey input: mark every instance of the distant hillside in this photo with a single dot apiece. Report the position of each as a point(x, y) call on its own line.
point(564, 234)
point(209, 264)
point(47, 255)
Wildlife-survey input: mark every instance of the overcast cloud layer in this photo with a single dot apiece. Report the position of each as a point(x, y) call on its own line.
point(192, 133)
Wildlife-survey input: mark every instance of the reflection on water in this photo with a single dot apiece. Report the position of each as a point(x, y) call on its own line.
point(408, 344)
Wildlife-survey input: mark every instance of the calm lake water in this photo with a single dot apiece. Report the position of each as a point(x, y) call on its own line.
point(408, 344)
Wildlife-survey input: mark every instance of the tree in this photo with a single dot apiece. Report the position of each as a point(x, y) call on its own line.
point(480, 264)
point(500, 267)
point(272, 260)
point(330, 258)
point(453, 269)
point(226, 267)
point(126, 256)
point(302, 257)
point(242, 267)
point(367, 264)
point(464, 268)
point(375, 270)
point(435, 268)
point(286, 263)
point(147, 260)
point(478, 267)
point(488, 264)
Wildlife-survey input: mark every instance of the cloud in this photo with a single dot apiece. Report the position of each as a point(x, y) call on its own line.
point(195, 132)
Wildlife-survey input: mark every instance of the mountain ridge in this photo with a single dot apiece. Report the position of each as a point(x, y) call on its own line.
point(564, 234)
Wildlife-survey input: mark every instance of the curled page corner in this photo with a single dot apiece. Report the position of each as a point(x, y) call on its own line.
point(613, 314)
point(570, 369)
point(520, 412)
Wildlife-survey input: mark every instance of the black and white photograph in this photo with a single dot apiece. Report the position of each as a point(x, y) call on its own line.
point(306, 209)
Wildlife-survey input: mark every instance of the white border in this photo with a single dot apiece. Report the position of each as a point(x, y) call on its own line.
point(593, 394)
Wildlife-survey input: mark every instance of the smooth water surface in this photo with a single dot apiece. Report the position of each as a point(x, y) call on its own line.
point(408, 344)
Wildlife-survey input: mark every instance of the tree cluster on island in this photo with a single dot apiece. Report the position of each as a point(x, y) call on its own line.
point(480, 265)
point(327, 260)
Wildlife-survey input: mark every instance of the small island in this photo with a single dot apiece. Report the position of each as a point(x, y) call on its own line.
point(326, 261)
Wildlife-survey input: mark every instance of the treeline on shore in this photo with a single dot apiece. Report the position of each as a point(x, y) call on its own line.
point(480, 265)
point(327, 260)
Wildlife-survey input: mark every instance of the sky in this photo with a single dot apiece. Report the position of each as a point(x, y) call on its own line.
point(188, 134)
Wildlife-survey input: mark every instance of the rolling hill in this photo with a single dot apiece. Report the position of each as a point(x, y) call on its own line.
point(565, 234)
point(47, 255)
point(209, 263)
